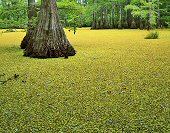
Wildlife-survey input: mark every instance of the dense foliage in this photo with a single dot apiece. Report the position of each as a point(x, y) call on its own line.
point(13, 13)
point(97, 14)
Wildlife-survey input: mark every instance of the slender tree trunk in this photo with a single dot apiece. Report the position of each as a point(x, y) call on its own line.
point(94, 25)
point(49, 39)
point(106, 25)
point(113, 16)
point(31, 14)
point(158, 16)
point(149, 16)
point(133, 24)
point(126, 20)
point(129, 16)
point(120, 17)
point(31, 9)
point(102, 19)
point(81, 20)
point(126, 17)
point(141, 24)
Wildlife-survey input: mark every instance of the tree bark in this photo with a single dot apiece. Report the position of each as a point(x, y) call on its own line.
point(49, 39)
point(129, 16)
point(102, 19)
point(126, 20)
point(31, 14)
point(106, 25)
point(133, 24)
point(158, 16)
point(81, 20)
point(141, 24)
point(112, 16)
point(149, 16)
point(94, 24)
point(120, 17)
point(126, 17)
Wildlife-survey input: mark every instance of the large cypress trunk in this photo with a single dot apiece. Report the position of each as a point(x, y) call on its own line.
point(49, 39)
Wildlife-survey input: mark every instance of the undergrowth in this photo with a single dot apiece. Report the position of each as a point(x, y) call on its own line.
point(152, 35)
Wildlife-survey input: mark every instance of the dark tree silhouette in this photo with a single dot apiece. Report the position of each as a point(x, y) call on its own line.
point(48, 39)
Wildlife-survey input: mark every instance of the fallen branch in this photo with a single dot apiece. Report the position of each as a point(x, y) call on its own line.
point(2, 74)
point(11, 78)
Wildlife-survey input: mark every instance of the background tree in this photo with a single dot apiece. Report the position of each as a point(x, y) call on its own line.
point(31, 18)
point(71, 12)
point(164, 13)
point(144, 11)
point(13, 13)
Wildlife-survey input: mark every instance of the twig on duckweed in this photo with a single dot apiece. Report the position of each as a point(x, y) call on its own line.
point(11, 78)
point(2, 74)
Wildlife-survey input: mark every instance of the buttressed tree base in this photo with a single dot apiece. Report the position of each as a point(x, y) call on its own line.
point(49, 39)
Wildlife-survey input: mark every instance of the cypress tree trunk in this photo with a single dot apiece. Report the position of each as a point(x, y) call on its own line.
point(81, 20)
point(31, 13)
point(158, 16)
point(94, 25)
point(112, 16)
point(49, 39)
point(126, 17)
point(102, 19)
point(141, 24)
point(126, 20)
point(129, 16)
point(133, 24)
point(120, 17)
point(106, 25)
point(149, 16)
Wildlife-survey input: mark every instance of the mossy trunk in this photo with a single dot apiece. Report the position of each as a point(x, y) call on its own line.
point(48, 39)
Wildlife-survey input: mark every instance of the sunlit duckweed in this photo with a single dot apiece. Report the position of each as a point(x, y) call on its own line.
point(117, 82)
